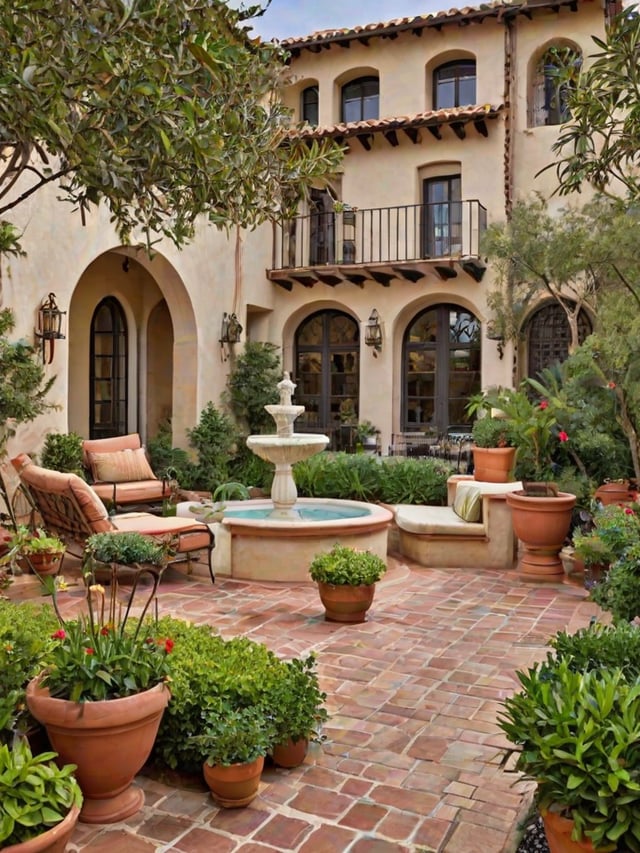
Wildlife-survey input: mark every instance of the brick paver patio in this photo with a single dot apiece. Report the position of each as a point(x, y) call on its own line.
point(411, 757)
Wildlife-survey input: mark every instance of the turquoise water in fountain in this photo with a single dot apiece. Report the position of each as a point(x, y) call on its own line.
point(305, 513)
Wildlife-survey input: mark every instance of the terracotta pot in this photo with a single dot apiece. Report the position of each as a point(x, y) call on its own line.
point(344, 603)
point(236, 785)
point(45, 563)
point(541, 524)
point(109, 742)
point(291, 753)
point(558, 830)
point(493, 464)
point(613, 493)
point(54, 840)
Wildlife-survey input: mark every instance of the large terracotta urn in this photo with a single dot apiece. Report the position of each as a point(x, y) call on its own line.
point(541, 523)
point(109, 741)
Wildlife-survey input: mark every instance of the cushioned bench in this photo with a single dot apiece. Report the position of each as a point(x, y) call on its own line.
point(120, 471)
point(442, 537)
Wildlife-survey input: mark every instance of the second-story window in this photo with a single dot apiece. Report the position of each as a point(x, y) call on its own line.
point(309, 105)
point(360, 99)
point(454, 84)
point(552, 83)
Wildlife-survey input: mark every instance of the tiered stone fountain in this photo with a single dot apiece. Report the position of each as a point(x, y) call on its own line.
point(276, 539)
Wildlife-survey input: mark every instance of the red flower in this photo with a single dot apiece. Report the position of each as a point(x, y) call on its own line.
point(168, 645)
point(104, 631)
point(60, 634)
point(611, 385)
point(629, 511)
point(543, 405)
point(563, 436)
point(89, 651)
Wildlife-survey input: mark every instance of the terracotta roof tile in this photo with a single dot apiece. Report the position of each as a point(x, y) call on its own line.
point(432, 117)
point(496, 9)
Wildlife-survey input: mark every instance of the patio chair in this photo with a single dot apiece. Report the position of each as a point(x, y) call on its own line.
point(72, 510)
point(120, 471)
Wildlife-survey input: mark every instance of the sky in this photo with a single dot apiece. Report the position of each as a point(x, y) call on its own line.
point(286, 18)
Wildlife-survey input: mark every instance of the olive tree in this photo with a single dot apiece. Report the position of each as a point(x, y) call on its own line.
point(164, 110)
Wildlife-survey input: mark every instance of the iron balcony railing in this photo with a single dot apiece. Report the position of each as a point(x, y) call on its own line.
point(408, 232)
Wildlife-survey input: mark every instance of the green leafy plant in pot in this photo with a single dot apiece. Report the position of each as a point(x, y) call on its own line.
point(298, 710)
point(346, 579)
point(233, 743)
point(38, 799)
point(494, 452)
point(35, 550)
point(576, 727)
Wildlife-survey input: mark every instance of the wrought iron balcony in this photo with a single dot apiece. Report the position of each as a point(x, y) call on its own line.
point(381, 235)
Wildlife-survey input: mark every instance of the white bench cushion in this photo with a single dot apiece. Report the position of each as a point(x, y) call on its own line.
point(438, 520)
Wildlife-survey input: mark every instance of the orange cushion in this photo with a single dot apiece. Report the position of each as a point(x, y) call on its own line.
point(137, 492)
point(122, 466)
point(109, 445)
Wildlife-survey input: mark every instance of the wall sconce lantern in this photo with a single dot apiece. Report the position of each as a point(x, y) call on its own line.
point(231, 330)
point(373, 333)
point(49, 327)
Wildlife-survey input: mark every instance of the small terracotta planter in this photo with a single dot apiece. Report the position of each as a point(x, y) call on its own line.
point(291, 753)
point(344, 603)
point(236, 785)
point(109, 741)
point(493, 464)
point(613, 493)
point(558, 830)
point(54, 840)
point(43, 563)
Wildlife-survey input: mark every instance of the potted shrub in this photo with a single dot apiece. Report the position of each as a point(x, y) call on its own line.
point(104, 689)
point(618, 591)
point(34, 549)
point(576, 727)
point(366, 436)
point(346, 581)
point(39, 801)
point(298, 711)
point(494, 452)
point(234, 743)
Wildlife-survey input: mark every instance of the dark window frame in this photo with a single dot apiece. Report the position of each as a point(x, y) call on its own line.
point(360, 96)
point(310, 103)
point(458, 65)
point(118, 357)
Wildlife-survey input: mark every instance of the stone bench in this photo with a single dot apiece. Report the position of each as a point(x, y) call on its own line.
point(437, 537)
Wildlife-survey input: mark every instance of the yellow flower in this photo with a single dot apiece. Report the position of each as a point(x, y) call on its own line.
point(97, 587)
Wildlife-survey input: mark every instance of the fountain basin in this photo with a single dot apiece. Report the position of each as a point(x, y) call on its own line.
point(252, 546)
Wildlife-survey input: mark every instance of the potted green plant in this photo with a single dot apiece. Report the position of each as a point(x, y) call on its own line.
point(39, 801)
point(613, 530)
point(575, 725)
point(104, 686)
point(618, 590)
point(234, 743)
point(346, 581)
point(34, 549)
point(366, 436)
point(298, 711)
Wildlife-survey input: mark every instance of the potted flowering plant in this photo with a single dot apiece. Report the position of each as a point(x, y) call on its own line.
point(541, 514)
point(104, 688)
point(33, 549)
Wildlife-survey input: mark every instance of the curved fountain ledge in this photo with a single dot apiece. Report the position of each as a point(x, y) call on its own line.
point(271, 549)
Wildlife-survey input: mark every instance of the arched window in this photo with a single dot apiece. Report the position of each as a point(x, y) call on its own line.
point(309, 101)
point(108, 372)
point(441, 365)
point(550, 86)
point(549, 336)
point(360, 99)
point(327, 359)
point(454, 84)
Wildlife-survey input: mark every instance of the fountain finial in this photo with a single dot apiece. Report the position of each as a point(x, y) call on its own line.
point(286, 388)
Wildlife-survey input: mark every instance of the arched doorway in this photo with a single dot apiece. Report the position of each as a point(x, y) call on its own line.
point(549, 336)
point(108, 370)
point(441, 368)
point(327, 371)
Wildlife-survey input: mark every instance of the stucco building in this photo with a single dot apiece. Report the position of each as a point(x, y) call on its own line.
point(377, 292)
